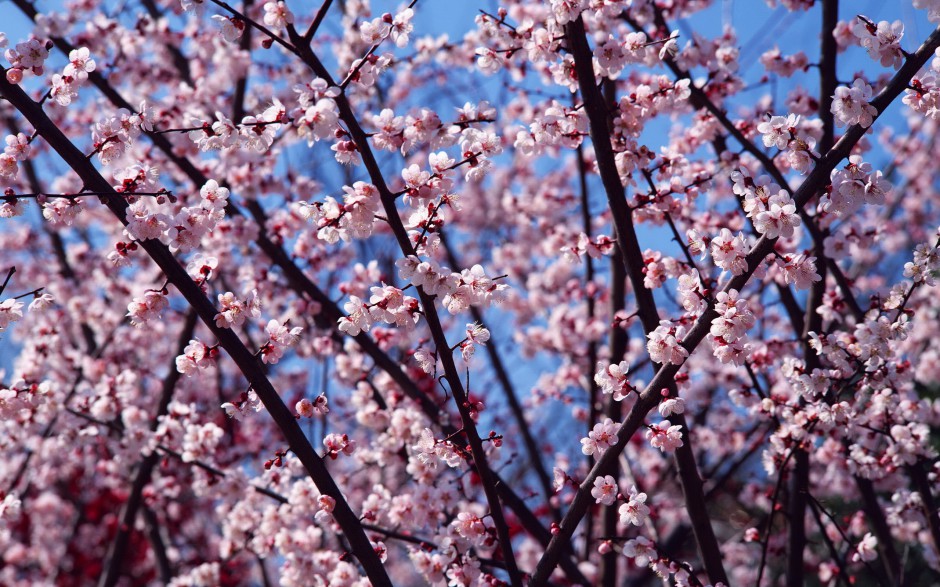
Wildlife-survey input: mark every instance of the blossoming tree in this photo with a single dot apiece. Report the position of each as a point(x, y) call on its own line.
point(317, 296)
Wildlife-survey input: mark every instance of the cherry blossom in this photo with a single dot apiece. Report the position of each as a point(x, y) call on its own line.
point(850, 104)
point(10, 311)
point(80, 64)
point(147, 307)
point(196, 356)
point(883, 41)
point(234, 312)
point(665, 437)
point(277, 15)
point(778, 131)
point(605, 490)
point(612, 379)
point(601, 437)
point(729, 252)
point(779, 218)
point(280, 336)
point(664, 345)
point(338, 443)
point(322, 212)
point(865, 550)
point(634, 511)
point(308, 409)
point(640, 548)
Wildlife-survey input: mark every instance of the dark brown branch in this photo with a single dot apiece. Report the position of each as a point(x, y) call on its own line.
point(6, 280)
point(592, 396)
point(317, 21)
point(796, 514)
point(618, 349)
point(799, 480)
point(919, 476)
point(164, 566)
point(596, 109)
point(833, 551)
point(241, 86)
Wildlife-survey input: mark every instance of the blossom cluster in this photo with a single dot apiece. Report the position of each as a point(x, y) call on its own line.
point(353, 301)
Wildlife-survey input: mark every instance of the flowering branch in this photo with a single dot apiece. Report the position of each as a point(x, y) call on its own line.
point(227, 339)
point(117, 553)
point(511, 396)
point(427, 302)
point(629, 247)
point(649, 398)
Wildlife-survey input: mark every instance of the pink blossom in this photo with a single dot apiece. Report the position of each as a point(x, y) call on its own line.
point(612, 379)
point(277, 15)
point(605, 490)
point(729, 252)
point(600, 438)
point(280, 337)
point(800, 270)
point(196, 356)
point(470, 527)
point(664, 346)
point(664, 436)
point(338, 443)
point(634, 511)
point(10, 311)
point(640, 548)
point(850, 104)
point(779, 219)
point(866, 550)
point(80, 64)
point(883, 41)
point(148, 307)
point(778, 130)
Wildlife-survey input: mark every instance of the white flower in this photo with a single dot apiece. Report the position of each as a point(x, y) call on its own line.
point(800, 270)
point(850, 105)
point(600, 438)
point(730, 252)
point(778, 130)
point(230, 29)
point(612, 379)
point(41, 302)
point(10, 311)
point(634, 511)
point(605, 490)
point(779, 219)
point(664, 346)
point(866, 550)
point(883, 40)
point(665, 437)
point(80, 64)
point(277, 15)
